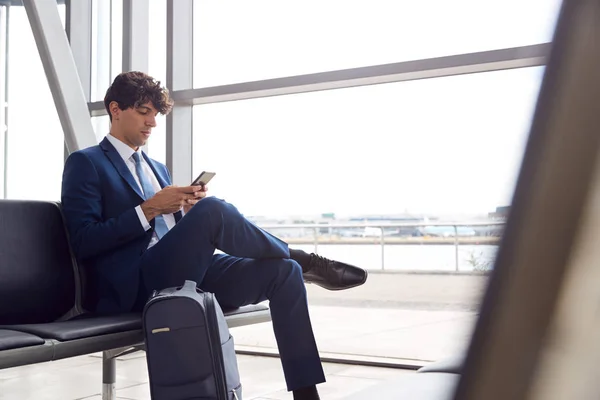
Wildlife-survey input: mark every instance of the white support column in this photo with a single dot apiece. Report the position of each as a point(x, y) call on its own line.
point(180, 77)
point(61, 72)
point(136, 30)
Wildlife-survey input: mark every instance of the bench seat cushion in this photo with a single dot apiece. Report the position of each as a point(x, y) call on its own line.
point(86, 326)
point(245, 309)
point(13, 340)
point(83, 327)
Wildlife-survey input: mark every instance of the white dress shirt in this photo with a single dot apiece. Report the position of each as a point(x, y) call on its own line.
point(126, 154)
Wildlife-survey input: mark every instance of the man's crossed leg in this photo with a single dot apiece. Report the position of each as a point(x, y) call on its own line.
point(257, 266)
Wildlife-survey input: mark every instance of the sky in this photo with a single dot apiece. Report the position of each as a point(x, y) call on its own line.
point(443, 146)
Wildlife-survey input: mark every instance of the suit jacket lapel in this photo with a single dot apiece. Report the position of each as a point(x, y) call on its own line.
point(120, 166)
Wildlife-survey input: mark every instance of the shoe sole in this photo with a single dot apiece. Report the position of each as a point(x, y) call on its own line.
point(342, 288)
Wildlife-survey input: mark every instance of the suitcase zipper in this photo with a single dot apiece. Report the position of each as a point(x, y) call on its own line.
point(216, 341)
point(234, 394)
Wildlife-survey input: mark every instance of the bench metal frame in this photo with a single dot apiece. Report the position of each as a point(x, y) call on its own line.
point(124, 343)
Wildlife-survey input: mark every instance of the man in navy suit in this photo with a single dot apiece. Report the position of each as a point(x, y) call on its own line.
point(134, 232)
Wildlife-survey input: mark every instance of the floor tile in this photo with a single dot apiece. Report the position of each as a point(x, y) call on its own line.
point(47, 366)
point(136, 392)
point(68, 383)
point(336, 387)
point(407, 334)
point(359, 371)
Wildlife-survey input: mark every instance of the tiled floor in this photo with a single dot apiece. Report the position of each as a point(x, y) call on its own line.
point(389, 333)
point(409, 318)
point(80, 378)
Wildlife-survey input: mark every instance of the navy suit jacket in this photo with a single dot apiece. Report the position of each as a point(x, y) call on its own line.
point(99, 196)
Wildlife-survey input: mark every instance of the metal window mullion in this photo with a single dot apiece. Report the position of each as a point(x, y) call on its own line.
point(180, 77)
point(136, 32)
point(487, 61)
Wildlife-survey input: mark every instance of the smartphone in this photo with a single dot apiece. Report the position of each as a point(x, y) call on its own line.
point(203, 178)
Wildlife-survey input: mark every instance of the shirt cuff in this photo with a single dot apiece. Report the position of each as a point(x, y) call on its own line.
point(142, 218)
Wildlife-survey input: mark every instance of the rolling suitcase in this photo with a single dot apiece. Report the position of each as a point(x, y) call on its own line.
point(189, 349)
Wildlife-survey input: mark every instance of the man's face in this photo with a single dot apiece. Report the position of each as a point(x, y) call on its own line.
point(133, 126)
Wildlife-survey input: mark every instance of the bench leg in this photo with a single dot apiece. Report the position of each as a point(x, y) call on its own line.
point(108, 377)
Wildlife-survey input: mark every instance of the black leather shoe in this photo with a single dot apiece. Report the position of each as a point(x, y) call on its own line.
point(333, 275)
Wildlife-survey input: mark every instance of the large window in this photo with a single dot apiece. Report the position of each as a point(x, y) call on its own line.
point(447, 147)
point(253, 40)
point(35, 145)
point(430, 150)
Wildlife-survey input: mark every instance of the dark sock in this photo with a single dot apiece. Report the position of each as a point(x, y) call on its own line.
point(301, 257)
point(306, 393)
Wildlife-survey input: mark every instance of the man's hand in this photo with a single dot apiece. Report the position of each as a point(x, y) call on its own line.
point(170, 200)
point(190, 203)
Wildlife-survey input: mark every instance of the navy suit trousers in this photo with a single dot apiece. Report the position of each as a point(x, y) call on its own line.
point(255, 268)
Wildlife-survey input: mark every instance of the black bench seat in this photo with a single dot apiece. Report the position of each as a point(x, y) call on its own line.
point(18, 348)
point(42, 292)
point(82, 327)
point(88, 325)
point(13, 340)
point(89, 334)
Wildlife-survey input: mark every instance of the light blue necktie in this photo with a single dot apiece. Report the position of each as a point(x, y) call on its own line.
point(160, 226)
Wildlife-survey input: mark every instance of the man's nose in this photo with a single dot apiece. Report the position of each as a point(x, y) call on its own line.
point(151, 121)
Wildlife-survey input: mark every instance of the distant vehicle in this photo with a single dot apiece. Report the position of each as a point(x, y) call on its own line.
point(371, 232)
point(349, 232)
point(447, 231)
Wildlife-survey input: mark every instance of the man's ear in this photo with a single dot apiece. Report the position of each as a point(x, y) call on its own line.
point(115, 111)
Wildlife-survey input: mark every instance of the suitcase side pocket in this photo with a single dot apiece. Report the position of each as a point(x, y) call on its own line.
point(176, 355)
point(232, 374)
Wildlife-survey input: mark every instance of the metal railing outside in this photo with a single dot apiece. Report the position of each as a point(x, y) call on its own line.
point(418, 227)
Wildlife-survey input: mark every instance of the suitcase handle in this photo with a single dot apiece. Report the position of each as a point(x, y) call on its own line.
point(189, 286)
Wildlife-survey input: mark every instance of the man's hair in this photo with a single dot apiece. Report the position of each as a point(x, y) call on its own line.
point(132, 89)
